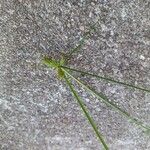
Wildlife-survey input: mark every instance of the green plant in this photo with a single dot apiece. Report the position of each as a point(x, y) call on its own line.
point(64, 72)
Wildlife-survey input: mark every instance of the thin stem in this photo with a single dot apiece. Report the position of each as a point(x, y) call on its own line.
point(81, 42)
point(84, 109)
point(107, 79)
point(107, 102)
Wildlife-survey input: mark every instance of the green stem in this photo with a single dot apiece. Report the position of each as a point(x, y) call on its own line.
point(84, 109)
point(81, 42)
point(107, 79)
point(107, 102)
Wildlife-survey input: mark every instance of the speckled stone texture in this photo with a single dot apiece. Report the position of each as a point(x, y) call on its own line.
point(37, 111)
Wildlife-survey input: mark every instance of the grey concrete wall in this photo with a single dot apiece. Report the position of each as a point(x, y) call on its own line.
point(37, 111)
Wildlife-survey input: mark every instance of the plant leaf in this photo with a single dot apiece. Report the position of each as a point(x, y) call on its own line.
point(84, 109)
point(102, 97)
point(107, 79)
point(60, 73)
point(50, 62)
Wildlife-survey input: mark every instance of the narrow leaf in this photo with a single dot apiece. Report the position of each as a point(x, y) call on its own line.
point(84, 109)
point(107, 79)
point(82, 41)
point(109, 103)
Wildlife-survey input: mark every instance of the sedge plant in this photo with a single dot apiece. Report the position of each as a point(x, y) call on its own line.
point(64, 72)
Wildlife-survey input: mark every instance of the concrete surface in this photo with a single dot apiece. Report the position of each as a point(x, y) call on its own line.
point(37, 111)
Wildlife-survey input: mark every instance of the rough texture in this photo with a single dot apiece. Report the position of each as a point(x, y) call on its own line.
point(37, 111)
